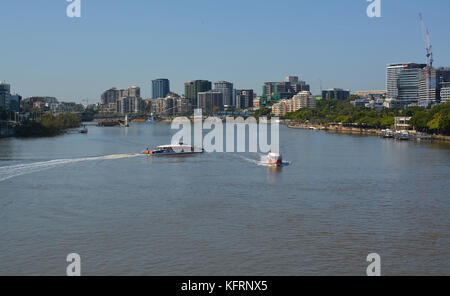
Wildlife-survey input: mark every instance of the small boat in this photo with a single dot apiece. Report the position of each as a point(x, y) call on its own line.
point(403, 135)
point(177, 149)
point(387, 134)
point(273, 159)
point(84, 130)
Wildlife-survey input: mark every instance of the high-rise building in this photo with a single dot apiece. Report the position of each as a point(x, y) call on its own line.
point(14, 103)
point(110, 96)
point(427, 85)
point(129, 105)
point(303, 99)
point(392, 72)
point(291, 79)
point(226, 88)
point(335, 93)
point(210, 101)
point(122, 101)
point(7, 100)
point(5, 92)
point(443, 80)
point(134, 92)
point(244, 99)
point(408, 84)
point(299, 86)
point(276, 91)
point(170, 105)
point(445, 92)
point(191, 89)
point(282, 107)
point(430, 83)
point(160, 88)
point(183, 106)
point(163, 106)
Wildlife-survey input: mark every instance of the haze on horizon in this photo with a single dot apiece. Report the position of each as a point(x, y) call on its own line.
point(118, 43)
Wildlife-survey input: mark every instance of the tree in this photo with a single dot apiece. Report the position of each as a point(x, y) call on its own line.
point(444, 124)
point(434, 123)
point(48, 125)
point(263, 112)
point(148, 107)
point(420, 120)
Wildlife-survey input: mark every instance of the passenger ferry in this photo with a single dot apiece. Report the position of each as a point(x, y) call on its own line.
point(177, 149)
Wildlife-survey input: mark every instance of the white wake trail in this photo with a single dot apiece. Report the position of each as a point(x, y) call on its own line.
point(8, 172)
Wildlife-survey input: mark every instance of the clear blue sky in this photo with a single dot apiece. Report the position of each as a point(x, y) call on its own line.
point(122, 43)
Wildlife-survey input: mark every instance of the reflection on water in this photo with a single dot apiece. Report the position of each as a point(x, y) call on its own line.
point(341, 198)
point(273, 172)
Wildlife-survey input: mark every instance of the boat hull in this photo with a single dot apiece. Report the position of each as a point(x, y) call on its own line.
point(150, 153)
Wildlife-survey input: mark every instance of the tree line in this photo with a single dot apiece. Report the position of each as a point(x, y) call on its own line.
point(47, 125)
point(430, 120)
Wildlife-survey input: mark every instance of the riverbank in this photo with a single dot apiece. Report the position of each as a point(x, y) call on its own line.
point(340, 129)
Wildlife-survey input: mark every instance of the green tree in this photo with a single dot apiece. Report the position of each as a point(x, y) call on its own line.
point(148, 107)
point(48, 125)
point(420, 120)
point(263, 111)
point(433, 125)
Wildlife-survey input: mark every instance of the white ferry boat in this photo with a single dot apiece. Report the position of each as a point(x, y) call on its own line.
point(174, 149)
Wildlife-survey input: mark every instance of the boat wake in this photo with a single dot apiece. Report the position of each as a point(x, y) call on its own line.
point(8, 172)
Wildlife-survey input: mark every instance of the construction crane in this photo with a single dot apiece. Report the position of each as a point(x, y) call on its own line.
point(426, 34)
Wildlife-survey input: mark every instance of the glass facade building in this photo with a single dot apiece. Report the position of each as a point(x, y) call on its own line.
point(191, 89)
point(160, 88)
point(408, 85)
point(226, 88)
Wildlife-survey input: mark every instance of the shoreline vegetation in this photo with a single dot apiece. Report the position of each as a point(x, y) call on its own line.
point(47, 126)
point(343, 117)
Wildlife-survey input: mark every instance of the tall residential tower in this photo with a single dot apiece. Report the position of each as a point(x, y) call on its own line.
point(226, 88)
point(160, 88)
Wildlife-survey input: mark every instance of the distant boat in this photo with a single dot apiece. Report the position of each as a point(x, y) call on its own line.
point(403, 135)
point(387, 134)
point(84, 130)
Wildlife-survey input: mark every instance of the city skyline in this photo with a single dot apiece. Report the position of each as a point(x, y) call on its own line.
point(350, 51)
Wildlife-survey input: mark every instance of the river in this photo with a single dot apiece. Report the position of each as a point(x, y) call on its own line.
point(341, 198)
